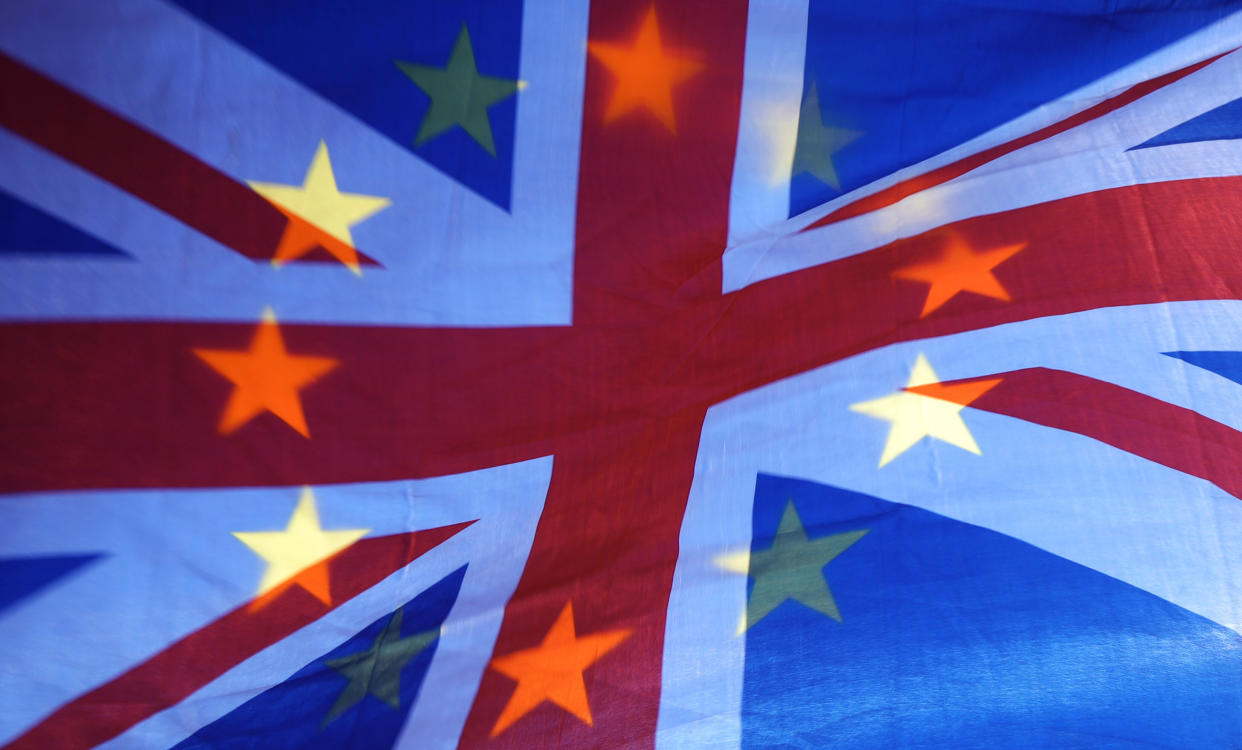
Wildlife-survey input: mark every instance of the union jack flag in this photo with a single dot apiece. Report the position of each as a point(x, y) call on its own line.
point(687, 373)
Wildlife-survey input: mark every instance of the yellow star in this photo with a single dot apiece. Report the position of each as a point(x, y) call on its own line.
point(736, 562)
point(779, 124)
point(915, 416)
point(319, 214)
point(296, 555)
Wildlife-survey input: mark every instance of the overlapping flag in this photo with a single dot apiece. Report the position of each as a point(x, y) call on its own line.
point(674, 373)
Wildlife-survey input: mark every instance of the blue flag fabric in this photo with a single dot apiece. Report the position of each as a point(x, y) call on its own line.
point(32, 231)
point(914, 79)
point(358, 694)
point(954, 634)
point(25, 576)
point(371, 43)
point(1222, 123)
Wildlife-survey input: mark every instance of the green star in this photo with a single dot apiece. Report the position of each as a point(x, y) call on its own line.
point(793, 568)
point(817, 143)
point(459, 95)
point(378, 669)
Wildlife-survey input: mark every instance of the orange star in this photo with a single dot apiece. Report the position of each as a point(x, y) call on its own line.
point(315, 580)
point(645, 74)
point(265, 378)
point(964, 393)
point(959, 269)
point(553, 670)
point(301, 237)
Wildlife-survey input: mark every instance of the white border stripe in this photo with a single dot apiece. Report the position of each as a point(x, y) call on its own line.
point(764, 244)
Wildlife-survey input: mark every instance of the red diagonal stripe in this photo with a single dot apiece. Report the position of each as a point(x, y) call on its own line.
point(187, 665)
point(1133, 245)
point(139, 162)
point(904, 189)
point(1156, 430)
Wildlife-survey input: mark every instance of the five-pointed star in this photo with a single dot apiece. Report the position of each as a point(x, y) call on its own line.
point(297, 554)
point(817, 142)
point(319, 214)
point(645, 74)
point(916, 415)
point(459, 95)
point(792, 568)
point(553, 670)
point(265, 378)
point(959, 269)
point(378, 669)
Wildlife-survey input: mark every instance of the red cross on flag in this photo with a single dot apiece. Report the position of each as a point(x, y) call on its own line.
point(678, 374)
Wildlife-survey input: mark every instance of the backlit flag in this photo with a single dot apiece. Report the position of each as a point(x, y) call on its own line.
point(677, 374)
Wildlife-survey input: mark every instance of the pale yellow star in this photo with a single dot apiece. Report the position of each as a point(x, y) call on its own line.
point(736, 562)
point(779, 123)
point(915, 416)
point(294, 555)
point(318, 203)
